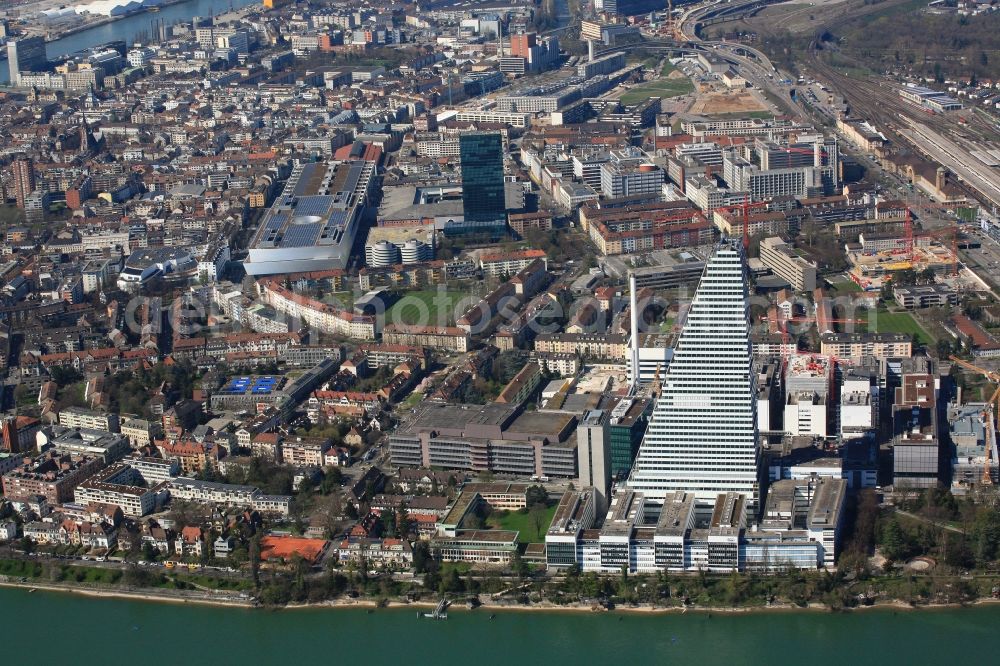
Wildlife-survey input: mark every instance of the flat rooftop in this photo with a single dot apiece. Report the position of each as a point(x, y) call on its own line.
point(458, 417)
point(315, 206)
point(397, 235)
point(405, 202)
point(484, 536)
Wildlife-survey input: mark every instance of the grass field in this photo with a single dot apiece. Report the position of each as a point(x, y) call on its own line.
point(412, 400)
point(899, 322)
point(523, 523)
point(20, 568)
point(343, 299)
point(425, 308)
point(215, 583)
point(662, 87)
point(845, 287)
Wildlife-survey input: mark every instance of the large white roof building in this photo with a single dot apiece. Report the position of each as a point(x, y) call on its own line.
point(312, 225)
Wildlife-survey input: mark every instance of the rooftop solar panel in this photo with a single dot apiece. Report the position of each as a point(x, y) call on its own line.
point(317, 205)
point(301, 235)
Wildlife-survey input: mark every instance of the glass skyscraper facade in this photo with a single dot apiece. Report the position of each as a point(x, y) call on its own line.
point(26, 55)
point(483, 200)
point(702, 436)
point(625, 429)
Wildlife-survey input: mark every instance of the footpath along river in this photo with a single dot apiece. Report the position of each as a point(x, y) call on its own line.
point(54, 627)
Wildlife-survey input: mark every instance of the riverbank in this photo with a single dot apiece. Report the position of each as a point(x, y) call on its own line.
point(103, 21)
point(182, 597)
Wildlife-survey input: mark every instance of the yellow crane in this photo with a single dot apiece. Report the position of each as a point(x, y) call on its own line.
point(990, 426)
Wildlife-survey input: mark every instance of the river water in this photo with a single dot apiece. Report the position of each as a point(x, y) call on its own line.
point(157, 633)
point(134, 27)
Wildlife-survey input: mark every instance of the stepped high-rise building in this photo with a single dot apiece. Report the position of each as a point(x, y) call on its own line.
point(702, 437)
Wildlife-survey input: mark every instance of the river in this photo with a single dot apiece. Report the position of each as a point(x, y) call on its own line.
point(89, 631)
point(135, 26)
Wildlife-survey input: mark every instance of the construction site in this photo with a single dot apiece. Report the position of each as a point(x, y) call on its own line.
point(870, 269)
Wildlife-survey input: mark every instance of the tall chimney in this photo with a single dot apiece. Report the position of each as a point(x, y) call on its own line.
point(634, 340)
point(590, 50)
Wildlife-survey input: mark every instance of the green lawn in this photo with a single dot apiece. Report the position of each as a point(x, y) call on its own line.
point(425, 308)
point(20, 568)
point(662, 87)
point(845, 287)
point(412, 400)
point(898, 322)
point(523, 523)
point(215, 583)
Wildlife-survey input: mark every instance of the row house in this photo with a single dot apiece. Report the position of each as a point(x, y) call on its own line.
point(320, 316)
point(329, 404)
point(389, 553)
point(69, 532)
point(89, 361)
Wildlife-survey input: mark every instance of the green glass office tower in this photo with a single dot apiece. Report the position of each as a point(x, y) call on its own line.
point(625, 431)
point(482, 180)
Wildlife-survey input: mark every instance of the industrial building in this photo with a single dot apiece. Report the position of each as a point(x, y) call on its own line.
point(496, 437)
point(931, 99)
point(800, 529)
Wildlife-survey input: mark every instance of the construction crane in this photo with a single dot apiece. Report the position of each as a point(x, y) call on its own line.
point(671, 24)
point(990, 426)
point(744, 209)
point(909, 234)
point(949, 233)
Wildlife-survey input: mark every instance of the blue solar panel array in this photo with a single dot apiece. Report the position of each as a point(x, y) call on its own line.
point(264, 385)
point(253, 385)
point(301, 235)
point(315, 205)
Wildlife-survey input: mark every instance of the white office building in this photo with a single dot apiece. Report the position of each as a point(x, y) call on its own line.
point(702, 437)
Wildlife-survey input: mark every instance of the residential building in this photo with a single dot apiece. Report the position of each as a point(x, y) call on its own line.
point(305, 452)
point(123, 486)
point(227, 494)
point(23, 168)
point(79, 417)
point(925, 296)
point(51, 476)
point(862, 345)
point(441, 337)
